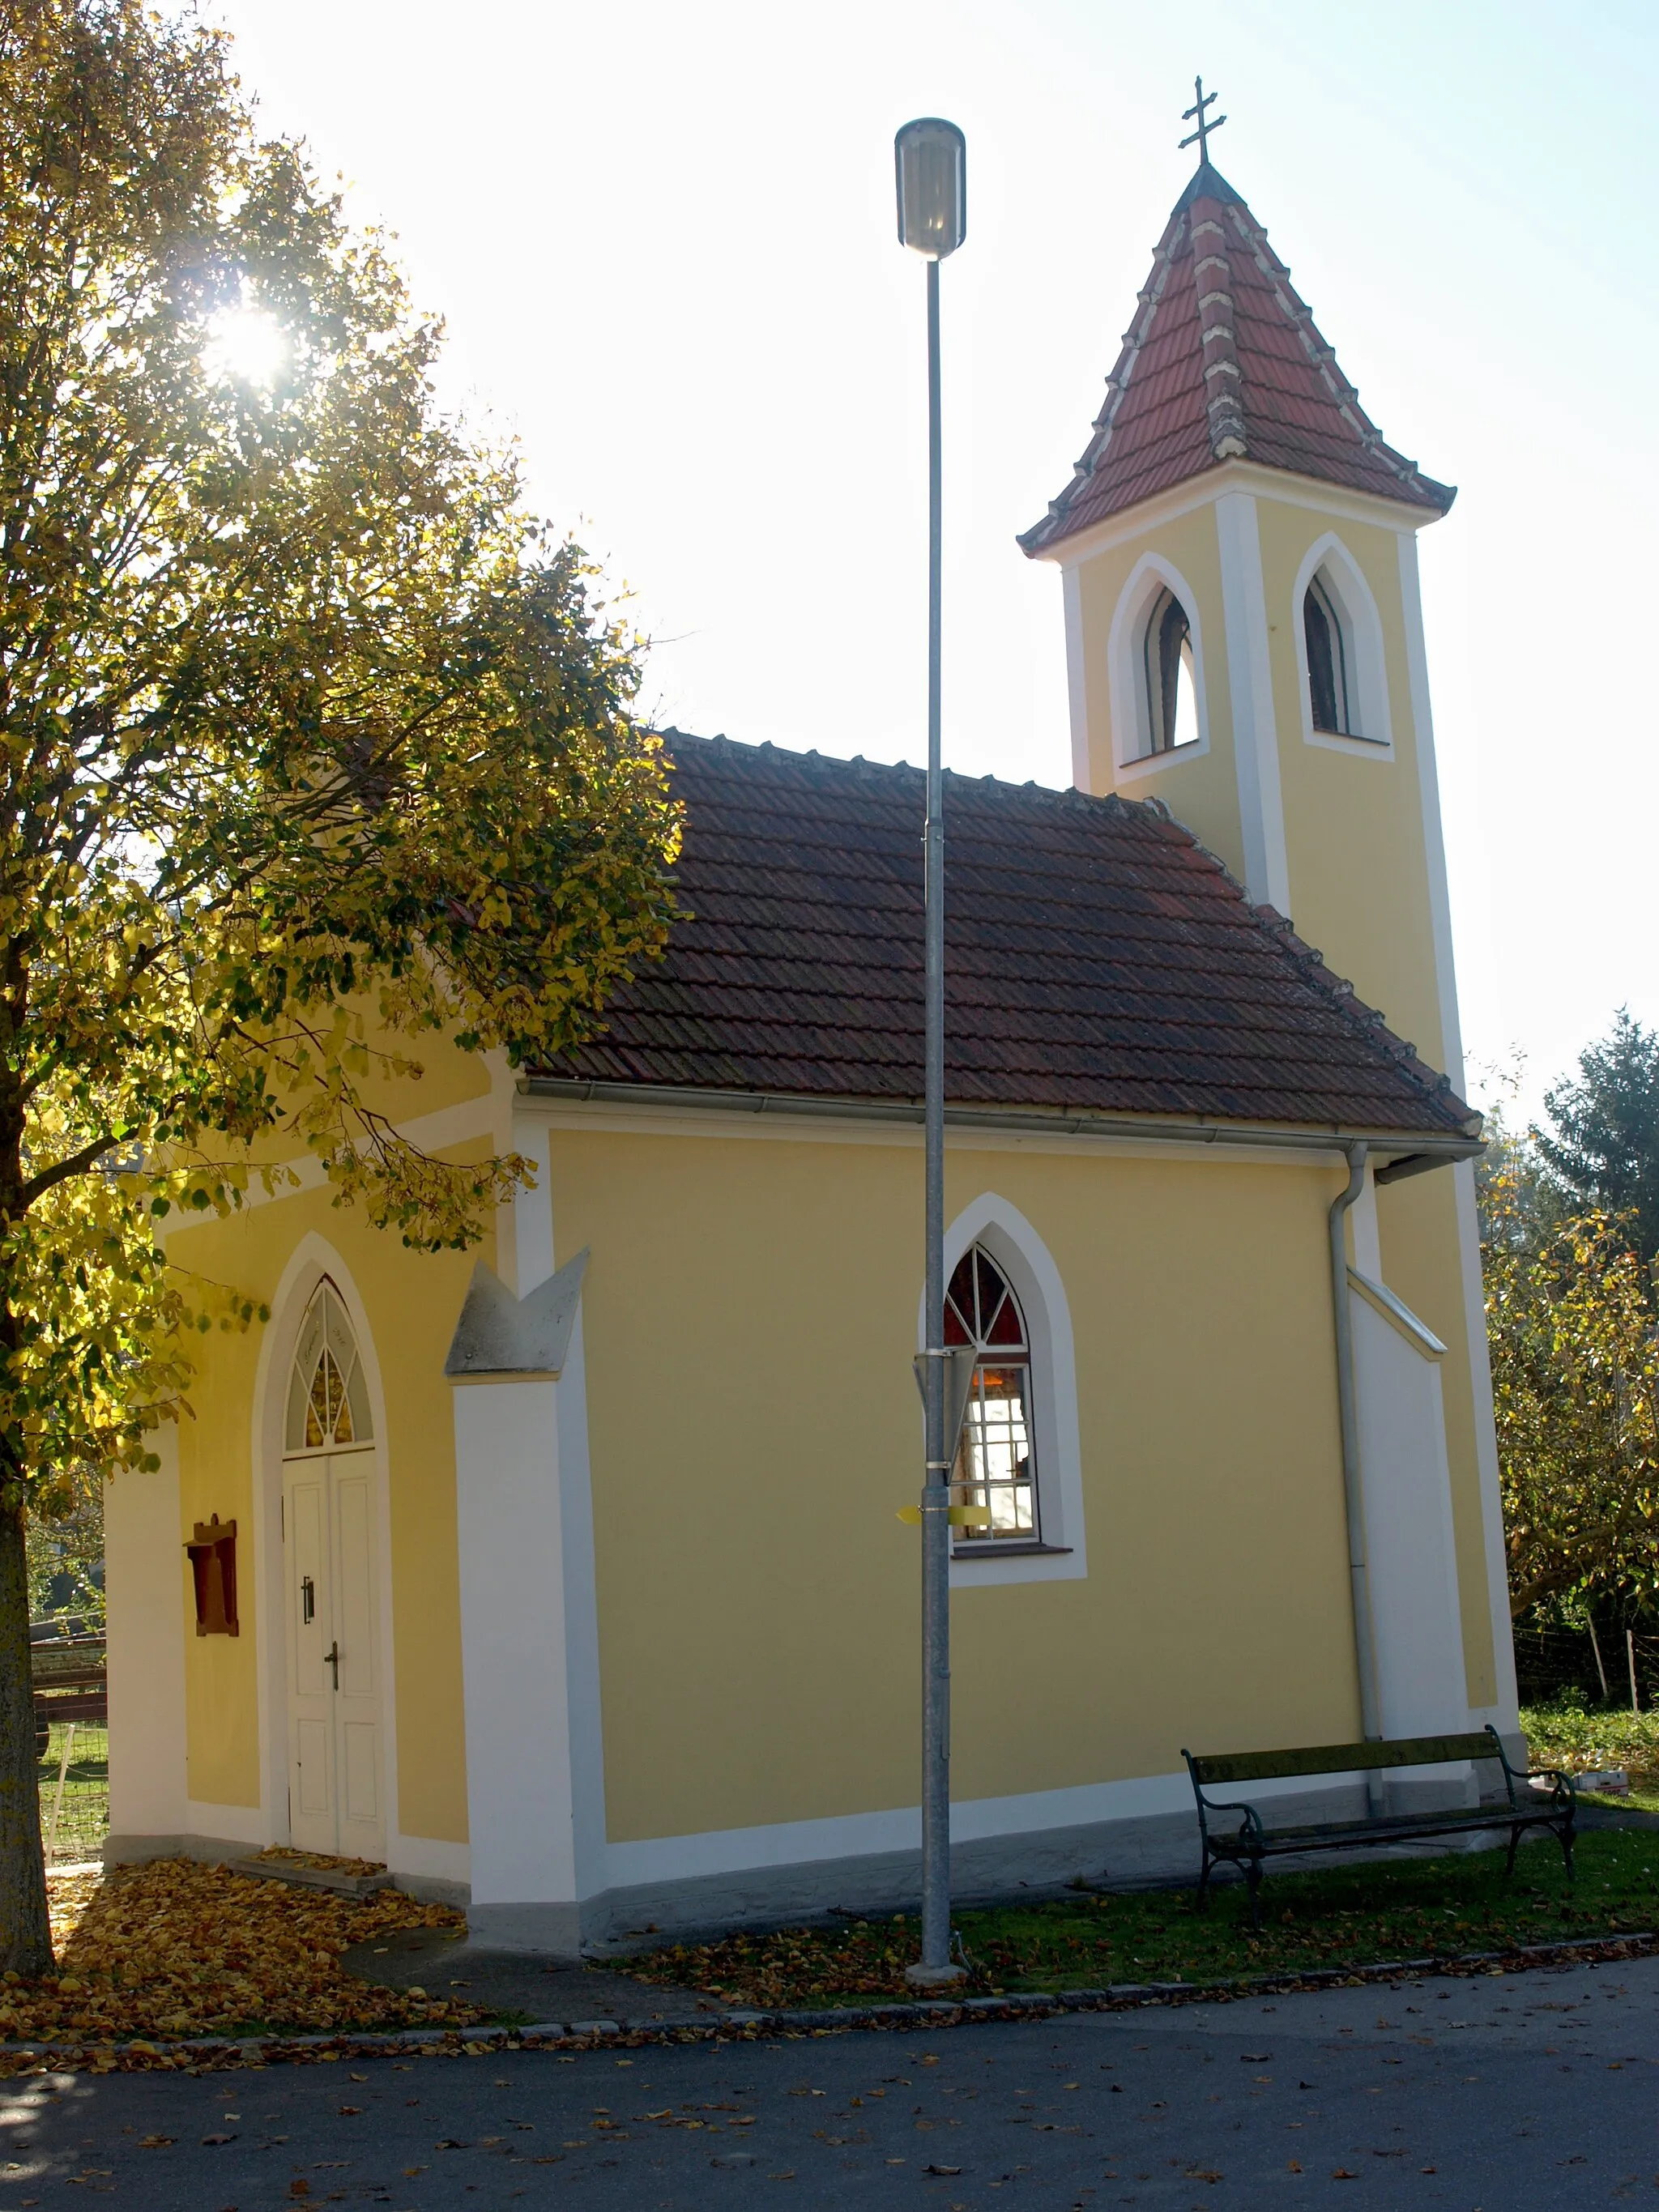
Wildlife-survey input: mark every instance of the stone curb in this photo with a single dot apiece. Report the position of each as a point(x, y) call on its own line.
point(936, 2012)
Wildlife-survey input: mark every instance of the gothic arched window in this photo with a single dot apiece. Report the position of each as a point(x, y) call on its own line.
point(996, 1461)
point(327, 1402)
point(1168, 697)
point(1325, 636)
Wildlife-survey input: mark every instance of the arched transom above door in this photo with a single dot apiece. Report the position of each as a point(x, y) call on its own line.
point(327, 1403)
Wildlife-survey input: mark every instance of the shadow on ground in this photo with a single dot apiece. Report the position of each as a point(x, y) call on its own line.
point(446, 1963)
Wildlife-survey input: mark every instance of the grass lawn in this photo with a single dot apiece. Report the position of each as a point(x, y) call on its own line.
point(75, 1794)
point(1571, 1735)
point(1580, 1738)
point(1357, 1914)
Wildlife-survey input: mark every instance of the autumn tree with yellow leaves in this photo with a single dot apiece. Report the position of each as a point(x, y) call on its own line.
point(1570, 1318)
point(302, 720)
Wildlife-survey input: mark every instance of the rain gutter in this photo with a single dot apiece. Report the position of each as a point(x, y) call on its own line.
point(1417, 1152)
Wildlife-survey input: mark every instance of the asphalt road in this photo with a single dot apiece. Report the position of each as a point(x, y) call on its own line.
point(1539, 2090)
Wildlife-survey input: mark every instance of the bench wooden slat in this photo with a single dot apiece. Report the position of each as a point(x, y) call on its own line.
point(1340, 1758)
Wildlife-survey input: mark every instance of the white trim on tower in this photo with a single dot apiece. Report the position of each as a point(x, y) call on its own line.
point(1077, 684)
point(1250, 681)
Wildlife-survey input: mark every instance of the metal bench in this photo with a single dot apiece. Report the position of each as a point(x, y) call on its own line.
point(1253, 1840)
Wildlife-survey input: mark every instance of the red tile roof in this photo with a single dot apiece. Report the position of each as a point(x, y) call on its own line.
point(1099, 958)
point(1223, 363)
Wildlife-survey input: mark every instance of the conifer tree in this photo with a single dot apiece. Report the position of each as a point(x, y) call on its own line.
point(1605, 1145)
point(312, 743)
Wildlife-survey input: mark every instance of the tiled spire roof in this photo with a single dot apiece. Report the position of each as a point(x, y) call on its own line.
point(1098, 959)
point(1223, 361)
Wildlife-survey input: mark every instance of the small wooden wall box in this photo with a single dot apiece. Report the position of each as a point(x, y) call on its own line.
point(212, 1552)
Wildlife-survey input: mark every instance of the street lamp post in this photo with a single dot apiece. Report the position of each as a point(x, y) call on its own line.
point(930, 157)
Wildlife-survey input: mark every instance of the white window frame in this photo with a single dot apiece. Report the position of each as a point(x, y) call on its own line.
point(1057, 1456)
point(1132, 719)
point(1347, 592)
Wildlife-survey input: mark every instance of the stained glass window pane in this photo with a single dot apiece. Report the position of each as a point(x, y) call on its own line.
point(319, 1419)
point(357, 1404)
point(1006, 1326)
point(327, 1402)
point(991, 1290)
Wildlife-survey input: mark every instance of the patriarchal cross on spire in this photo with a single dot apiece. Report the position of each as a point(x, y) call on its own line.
point(1201, 99)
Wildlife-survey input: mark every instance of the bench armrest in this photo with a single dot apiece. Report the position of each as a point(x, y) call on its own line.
point(1564, 1790)
point(1249, 1822)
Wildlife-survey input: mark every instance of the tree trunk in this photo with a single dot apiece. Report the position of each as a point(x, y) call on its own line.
point(25, 1930)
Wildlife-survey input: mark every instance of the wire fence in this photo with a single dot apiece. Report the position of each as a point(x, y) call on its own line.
point(74, 1775)
point(68, 1661)
point(1609, 1665)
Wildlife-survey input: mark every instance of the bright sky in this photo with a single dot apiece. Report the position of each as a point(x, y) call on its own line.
point(662, 232)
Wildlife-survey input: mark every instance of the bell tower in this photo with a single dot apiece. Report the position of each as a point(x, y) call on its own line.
point(1237, 549)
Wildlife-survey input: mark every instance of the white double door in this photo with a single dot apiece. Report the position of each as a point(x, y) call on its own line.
point(335, 1786)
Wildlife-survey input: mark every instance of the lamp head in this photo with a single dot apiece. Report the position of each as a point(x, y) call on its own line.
point(930, 161)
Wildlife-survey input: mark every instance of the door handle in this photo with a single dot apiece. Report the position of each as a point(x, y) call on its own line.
point(307, 1600)
point(331, 1658)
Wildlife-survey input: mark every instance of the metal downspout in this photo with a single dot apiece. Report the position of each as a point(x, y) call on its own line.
point(1352, 1479)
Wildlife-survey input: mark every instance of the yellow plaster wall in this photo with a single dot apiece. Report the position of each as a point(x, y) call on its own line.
point(412, 1302)
point(1353, 821)
point(447, 1077)
point(1202, 790)
point(756, 1595)
point(1359, 890)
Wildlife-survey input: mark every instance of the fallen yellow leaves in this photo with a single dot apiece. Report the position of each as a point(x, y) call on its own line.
point(319, 1862)
point(179, 1949)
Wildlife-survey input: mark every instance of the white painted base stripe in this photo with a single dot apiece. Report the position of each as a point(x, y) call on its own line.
point(428, 1858)
point(858, 1835)
point(232, 1824)
point(734, 1851)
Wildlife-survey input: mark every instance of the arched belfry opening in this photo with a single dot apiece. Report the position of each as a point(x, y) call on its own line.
point(1329, 644)
point(1168, 694)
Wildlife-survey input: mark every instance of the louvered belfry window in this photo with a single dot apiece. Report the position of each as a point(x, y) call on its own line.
point(995, 1464)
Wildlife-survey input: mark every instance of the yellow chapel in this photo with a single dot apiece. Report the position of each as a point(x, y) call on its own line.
point(566, 1580)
